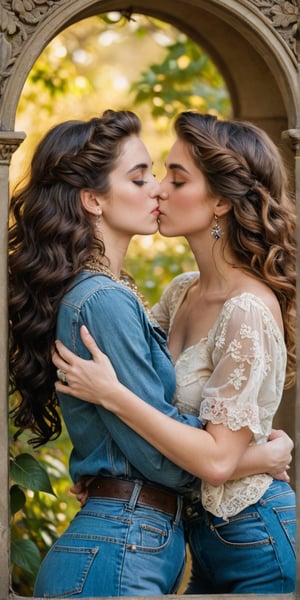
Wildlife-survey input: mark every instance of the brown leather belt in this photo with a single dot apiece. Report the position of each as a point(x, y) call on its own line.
point(122, 489)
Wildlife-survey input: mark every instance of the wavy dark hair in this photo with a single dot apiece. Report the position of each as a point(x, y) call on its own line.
point(50, 238)
point(241, 162)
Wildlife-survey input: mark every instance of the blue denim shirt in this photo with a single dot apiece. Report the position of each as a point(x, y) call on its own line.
point(139, 354)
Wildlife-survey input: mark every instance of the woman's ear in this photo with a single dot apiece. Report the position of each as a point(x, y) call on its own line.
point(223, 206)
point(91, 202)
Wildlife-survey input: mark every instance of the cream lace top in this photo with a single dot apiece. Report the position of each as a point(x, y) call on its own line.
point(234, 376)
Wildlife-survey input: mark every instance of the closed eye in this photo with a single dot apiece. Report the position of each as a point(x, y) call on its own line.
point(177, 184)
point(139, 182)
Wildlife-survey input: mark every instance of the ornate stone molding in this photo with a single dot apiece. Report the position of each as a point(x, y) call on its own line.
point(9, 143)
point(284, 15)
point(292, 137)
point(18, 20)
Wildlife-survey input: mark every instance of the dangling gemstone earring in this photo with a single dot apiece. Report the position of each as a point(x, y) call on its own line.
point(216, 231)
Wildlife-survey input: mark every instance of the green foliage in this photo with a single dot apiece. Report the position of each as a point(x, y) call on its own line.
point(25, 555)
point(39, 513)
point(26, 471)
point(154, 261)
point(182, 76)
point(185, 79)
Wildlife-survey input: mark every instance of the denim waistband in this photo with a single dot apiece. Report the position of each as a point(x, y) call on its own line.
point(193, 508)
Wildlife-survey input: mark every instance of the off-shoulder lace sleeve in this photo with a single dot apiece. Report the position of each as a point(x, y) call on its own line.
point(164, 311)
point(249, 361)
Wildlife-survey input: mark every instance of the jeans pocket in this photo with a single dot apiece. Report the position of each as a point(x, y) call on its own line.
point(287, 518)
point(153, 537)
point(245, 529)
point(64, 571)
point(149, 532)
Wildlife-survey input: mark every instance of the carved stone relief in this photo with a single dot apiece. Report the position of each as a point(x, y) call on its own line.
point(9, 143)
point(18, 19)
point(284, 15)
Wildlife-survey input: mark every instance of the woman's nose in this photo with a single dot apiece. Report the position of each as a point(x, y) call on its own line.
point(163, 195)
point(156, 190)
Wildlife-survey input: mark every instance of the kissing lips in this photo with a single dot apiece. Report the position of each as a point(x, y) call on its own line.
point(156, 212)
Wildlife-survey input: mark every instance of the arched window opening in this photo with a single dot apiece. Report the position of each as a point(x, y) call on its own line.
point(89, 66)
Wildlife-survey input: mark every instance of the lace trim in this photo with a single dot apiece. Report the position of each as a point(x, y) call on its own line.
point(227, 412)
point(231, 498)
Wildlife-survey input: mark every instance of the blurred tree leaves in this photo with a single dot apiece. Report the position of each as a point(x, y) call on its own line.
point(40, 504)
point(154, 261)
point(185, 79)
point(119, 61)
point(125, 62)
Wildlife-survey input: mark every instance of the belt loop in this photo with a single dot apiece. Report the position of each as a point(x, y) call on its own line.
point(179, 510)
point(134, 496)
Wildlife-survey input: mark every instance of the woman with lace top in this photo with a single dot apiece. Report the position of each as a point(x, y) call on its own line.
point(231, 333)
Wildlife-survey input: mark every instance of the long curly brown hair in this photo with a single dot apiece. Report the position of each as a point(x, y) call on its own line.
point(50, 239)
point(240, 162)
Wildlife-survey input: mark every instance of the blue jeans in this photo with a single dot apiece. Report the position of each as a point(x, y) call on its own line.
point(115, 548)
point(251, 553)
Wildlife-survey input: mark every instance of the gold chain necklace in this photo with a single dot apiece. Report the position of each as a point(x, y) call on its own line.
point(94, 264)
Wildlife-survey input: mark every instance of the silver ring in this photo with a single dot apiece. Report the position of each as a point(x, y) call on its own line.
point(62, 376)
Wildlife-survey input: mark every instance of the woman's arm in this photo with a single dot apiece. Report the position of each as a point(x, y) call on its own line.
point(273, 457)
point(199, 452)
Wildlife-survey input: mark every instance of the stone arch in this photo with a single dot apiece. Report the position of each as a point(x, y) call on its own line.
point(254, 48)
point(253, 43)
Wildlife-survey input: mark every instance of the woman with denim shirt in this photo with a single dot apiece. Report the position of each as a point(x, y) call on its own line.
point(232, 336)
point(90, 190)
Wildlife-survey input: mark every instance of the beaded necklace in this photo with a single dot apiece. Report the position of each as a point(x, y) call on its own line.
point(94, 264)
